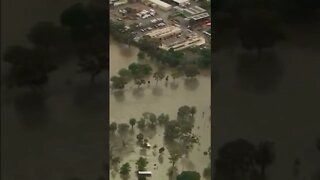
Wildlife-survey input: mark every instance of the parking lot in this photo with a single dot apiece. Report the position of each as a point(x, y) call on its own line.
point(158, 19)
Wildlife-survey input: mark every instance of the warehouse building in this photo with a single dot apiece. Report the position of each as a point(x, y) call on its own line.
point(160, 5)
point(164, 33)
point(184, 44)
point(182, 3)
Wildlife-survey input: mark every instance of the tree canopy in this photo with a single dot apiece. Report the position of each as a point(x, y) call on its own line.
point(189, 175)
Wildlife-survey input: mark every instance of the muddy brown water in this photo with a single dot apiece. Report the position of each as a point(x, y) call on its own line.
point(159, 98)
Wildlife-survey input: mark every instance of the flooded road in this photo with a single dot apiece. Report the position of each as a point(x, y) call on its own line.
point(159, 99)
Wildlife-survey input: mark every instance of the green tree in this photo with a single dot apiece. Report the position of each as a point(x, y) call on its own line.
point(125, 169)
point(191, 71)
point(140, 137)
point(118, 82)
point(132, 122)
point(175, 74)
point(140, 70)
point(163, 119)
point(141, 55)
point(189, 175)
point(193, 110)
point(123, 128)
point(125, 73)
point(204, 60)
point(158, 76)
point(141, 164)
point(207, 172)
point(92, 65)
point(184, 111)
point(141, 124)
point(139, 82)
point(174, 157)
point(113, 127)
point(265, 155)
point(172, 130)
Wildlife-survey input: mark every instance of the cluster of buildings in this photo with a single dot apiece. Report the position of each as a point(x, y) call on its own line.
point(172, 32)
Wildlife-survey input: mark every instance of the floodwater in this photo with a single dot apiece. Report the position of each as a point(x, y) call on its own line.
point(288, 113)
point(159, 99)
point(49, 135)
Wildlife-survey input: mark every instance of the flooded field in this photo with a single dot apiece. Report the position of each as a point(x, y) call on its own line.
point(158, 98)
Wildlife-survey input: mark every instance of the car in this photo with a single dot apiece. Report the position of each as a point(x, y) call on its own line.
point(156, 26)
point(142, 30)
point(119, 19)
point(149, 28)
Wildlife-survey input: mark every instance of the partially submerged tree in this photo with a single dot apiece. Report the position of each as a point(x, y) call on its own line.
point(259, 30)
point(174, 157)
point(125, 169)
point(29, 67)
point(158, 76)
point(141, 55)
point(132, 122)
point(191, 71)
point(141, 164)
point(118, 82)
point(123, 128)
point(189, 175)
point(163, 119)
point(113, 127)
point(265, 155)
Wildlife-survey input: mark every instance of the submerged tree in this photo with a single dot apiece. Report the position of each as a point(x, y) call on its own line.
point(193, 110)
point(29, 67)
point(141, 124)
point(189, 175)
point(176, 74)
point(113, 127)
point(235, 160)
point(118, 82)
point(140, 137)
point(141, 55)
point(132, 122)
point(163, 119)
point(123, 128)
point(125, 169)
point(158, 76)
point(174, 157)
point(191, 71)
point(141, 164)
point(259, 30)
point(264, 155)
point(125, 73)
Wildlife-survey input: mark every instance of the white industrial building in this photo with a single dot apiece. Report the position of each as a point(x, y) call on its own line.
point(164, 33)
point(161, 5)
point(182, 2)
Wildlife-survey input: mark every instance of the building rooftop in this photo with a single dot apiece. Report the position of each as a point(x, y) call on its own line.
point(161, 3)
point(181, 1)
point(158, 33)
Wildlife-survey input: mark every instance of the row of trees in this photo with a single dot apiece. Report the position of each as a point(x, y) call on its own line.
point(138, 73)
